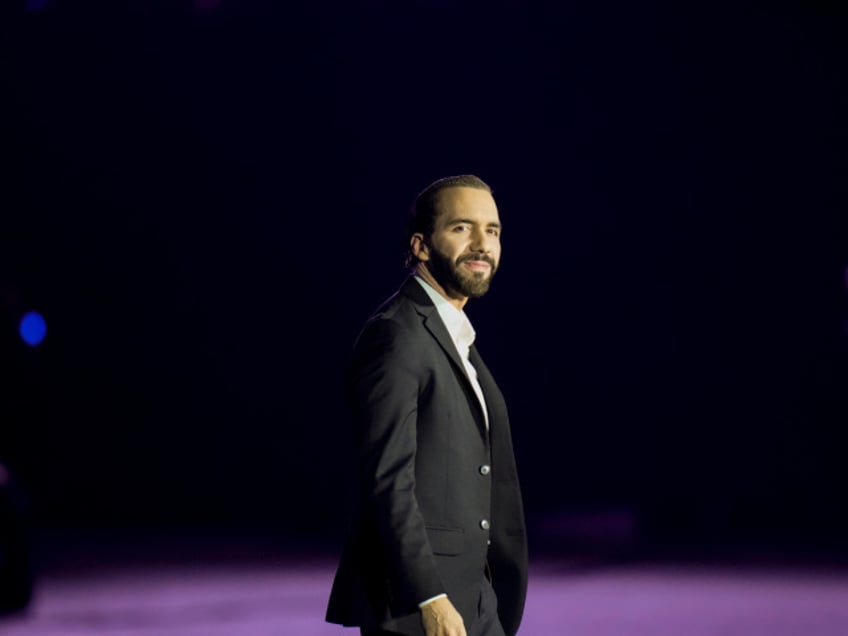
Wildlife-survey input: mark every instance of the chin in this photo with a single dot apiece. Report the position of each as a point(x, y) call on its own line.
point(477, 288)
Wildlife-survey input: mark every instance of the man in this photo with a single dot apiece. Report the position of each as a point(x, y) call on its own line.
point(437, 545)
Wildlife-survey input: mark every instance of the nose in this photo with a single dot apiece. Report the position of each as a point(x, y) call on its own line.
point(480, 242)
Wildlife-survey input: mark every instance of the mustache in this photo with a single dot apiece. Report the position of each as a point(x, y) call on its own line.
point(485, 258)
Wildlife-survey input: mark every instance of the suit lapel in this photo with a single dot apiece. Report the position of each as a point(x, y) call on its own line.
point(500, 437)
point(491, 393)
point(434, 324)
point(432, 321)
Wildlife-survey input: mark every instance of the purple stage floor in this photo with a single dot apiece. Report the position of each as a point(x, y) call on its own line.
point(286, 597)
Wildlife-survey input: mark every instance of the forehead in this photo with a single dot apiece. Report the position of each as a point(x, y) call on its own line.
point(469, 203)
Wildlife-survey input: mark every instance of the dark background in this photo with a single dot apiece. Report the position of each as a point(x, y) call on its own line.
point(205, 200)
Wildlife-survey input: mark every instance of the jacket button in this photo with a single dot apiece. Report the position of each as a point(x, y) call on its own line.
point(485, 524)
point(485, 469)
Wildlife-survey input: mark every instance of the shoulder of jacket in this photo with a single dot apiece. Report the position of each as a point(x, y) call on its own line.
point(399, 306)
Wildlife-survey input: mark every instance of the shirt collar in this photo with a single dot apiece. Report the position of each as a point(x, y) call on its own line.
point(457, 322)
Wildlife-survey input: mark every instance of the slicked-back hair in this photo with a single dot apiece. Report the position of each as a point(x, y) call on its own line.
point(424, 210)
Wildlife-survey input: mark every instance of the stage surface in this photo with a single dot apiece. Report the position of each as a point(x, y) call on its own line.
point(206, 589)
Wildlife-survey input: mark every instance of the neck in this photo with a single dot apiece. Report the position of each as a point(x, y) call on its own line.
point(455, 299)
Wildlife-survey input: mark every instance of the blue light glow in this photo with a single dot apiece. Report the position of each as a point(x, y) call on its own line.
point(33, 328)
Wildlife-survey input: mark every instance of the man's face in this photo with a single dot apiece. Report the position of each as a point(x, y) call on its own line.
point(465, 248)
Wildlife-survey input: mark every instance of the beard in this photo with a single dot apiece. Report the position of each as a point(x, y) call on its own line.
point(450, 276)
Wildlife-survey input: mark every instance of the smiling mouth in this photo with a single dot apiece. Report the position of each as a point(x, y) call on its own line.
point(477, 266)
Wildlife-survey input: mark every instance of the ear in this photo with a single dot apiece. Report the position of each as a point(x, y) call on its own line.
point(419, 247)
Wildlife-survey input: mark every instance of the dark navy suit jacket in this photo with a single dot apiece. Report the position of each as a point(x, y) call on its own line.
point(438, 493)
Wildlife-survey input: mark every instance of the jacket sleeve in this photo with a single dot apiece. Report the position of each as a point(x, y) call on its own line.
point(384, 384)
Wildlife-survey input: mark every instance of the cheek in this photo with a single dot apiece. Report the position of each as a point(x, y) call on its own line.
point(454, 249)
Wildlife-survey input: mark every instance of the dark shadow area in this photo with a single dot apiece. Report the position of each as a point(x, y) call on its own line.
point(16, 551)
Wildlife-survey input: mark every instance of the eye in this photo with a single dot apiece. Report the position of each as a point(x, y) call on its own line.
point(460, 227)
point(493, 231)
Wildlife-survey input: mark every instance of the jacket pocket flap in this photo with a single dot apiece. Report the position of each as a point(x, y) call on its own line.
point(448, 541)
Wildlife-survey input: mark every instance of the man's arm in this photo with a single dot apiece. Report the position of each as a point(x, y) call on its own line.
point(383, 390)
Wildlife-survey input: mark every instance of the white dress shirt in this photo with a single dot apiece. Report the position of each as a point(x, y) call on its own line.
point(462, 333)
